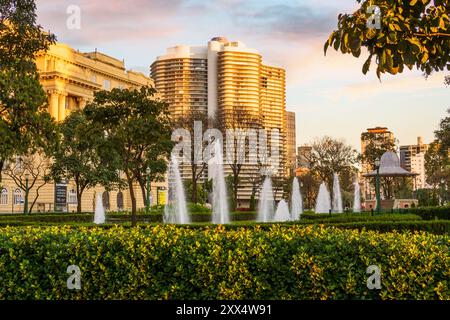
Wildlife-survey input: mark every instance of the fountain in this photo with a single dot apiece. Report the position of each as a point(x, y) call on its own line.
point(99, 214)
point(296, 201)
point(337, 197)
point(219, 198)
point(357, 198)
point(175, 210)
point(266, 202)
point(282, 214)
point(323, 203)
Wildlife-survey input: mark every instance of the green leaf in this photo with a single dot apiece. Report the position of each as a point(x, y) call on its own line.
point(366, 65)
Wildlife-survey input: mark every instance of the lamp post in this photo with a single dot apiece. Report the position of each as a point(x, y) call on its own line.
point(25, 207)
point(377, 185)
point(147, 203)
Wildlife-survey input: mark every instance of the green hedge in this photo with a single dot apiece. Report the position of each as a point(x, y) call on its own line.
point(430, 213)
point(353, 217)
point(436, 227)
point(169, 262)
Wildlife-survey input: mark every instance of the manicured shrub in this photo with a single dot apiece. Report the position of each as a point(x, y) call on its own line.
point(430, 213)
point(170, 262)
point(436, 227)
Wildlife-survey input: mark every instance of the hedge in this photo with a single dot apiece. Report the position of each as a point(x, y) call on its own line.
point(430, 213)
point(353, 217)
point(169, 262)
point(436, 227)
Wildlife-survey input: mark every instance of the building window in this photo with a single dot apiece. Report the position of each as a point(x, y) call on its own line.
point(94, 78)
point(105, 199)
point(120, 201)
point(4, 196)
point(18, 199)
point(72, 198)
point(106, 84)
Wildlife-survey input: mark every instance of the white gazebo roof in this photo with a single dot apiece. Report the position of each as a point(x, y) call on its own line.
point(390, 167)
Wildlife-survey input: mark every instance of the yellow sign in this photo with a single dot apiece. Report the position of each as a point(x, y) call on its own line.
point(161, 197)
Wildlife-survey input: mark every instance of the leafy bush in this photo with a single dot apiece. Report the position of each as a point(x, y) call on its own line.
point(430, 213)
point(195, 208)
point(340, 217)
point(436, 227)
point(169, 262)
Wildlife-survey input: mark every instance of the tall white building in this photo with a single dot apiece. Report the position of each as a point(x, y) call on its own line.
point(418, 166)
point(228, 81)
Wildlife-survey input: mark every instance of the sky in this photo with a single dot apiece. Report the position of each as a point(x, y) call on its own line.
point(329, 94)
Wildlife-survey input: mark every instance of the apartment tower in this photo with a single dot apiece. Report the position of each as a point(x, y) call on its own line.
point(229, 82)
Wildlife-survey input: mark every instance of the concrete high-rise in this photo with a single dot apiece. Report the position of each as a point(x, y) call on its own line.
point(412, 158)
point(407, 152)
point(291, 156)
point(229, 82)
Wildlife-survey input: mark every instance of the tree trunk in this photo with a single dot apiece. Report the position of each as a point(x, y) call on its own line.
point(133, 200)
point(194, 186)
point(236, 168)
point(144, 191)
point(79, 194)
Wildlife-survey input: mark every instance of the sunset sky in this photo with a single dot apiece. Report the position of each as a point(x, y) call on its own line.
point(330, 95)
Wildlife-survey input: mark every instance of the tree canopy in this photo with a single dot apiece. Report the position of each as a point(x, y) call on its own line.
point(77, 156)
point(137, 133)
point(24, 121)
point(412, 33)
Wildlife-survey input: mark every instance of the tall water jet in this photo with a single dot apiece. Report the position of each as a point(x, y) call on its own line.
point(99, 214)
point(266, 206)
point(357, 197)
point(337, 196)
point(220, 214)
point(323, 202)
point(296, 201)
point(175, 210)
point(282, 214)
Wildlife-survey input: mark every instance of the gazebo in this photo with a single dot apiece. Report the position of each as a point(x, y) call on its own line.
point(389, 167)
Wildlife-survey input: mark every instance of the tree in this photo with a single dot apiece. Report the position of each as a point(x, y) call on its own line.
point(77, 156)
point(309, 185)
point(437, 159)
point(411, 33)
point(238, 123)
point(329, 156)
point(376, 146)
point(197, 170)
point(37, 166)
point(137, 133)
point(24, 119)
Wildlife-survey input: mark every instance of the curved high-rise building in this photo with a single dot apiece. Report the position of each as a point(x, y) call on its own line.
point(228, 81)
point(181, 79)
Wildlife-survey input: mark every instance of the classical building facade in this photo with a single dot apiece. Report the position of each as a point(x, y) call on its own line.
point(229, 82)
point(70, 79)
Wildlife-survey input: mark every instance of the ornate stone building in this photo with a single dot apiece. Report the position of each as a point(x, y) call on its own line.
point(70, 79)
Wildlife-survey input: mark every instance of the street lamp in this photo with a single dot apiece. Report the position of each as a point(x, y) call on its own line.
point(147, 203)
point(377, 185)
point(25, 207)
